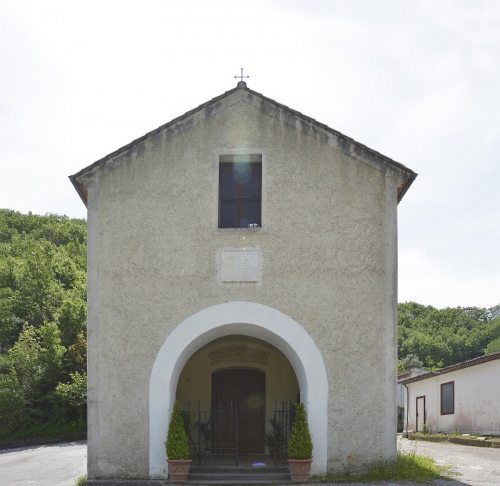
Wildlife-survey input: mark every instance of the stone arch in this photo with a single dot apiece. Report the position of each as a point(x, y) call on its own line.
point(245, 318)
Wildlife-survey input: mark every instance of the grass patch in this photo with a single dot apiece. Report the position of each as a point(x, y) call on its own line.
point(407, 467)
point(80, 480)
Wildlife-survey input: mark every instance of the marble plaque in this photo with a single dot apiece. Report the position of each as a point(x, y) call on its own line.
point(239, 266)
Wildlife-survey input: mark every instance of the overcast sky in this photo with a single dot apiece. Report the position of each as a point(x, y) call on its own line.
point(418, 81)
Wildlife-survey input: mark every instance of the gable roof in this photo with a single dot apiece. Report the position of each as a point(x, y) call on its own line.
point(271, 107)
point(455, 367)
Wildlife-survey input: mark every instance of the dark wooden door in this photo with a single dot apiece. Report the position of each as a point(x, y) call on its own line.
point(242, 391)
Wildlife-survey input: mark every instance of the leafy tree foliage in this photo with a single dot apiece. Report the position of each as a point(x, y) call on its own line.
point(442, 337)
point(409, 362)
point(73, 395)
point(494, 344)
point(42, 318)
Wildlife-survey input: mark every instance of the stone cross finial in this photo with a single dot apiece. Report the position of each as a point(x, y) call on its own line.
point(241, 76)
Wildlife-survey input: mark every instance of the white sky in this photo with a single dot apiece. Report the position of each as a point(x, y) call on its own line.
point(418, 81)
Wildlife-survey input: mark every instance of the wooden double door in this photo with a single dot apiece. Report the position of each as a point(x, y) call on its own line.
point(238, 403)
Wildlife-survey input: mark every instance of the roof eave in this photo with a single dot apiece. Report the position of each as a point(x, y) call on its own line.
point(456, 367)
point(80, 189)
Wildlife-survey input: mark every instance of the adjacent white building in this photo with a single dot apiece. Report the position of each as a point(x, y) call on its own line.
point(401, 392)
point(463, 398)
point(240, 255)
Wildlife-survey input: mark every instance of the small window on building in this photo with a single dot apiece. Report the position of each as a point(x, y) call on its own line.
point(448, 398)
point(240, 190)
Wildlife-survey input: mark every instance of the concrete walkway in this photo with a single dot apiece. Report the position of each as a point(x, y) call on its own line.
point(61, 464)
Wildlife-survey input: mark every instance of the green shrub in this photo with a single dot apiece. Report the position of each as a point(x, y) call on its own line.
point(300, 446)
point(176, 444)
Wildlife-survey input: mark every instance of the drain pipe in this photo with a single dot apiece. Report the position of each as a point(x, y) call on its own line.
point(407, 407)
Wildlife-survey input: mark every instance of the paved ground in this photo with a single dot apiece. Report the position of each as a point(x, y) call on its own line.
point(50, 465)
point(477, 466)
point(61, 464)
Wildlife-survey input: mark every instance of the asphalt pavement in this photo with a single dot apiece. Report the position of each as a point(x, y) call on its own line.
point(61, 464)
point(49, 465)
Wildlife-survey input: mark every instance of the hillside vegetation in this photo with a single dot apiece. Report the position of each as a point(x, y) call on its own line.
point(434, 338)
point(42, 321)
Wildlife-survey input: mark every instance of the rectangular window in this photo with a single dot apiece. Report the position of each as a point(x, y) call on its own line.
point(240, 190)
point(448, 398)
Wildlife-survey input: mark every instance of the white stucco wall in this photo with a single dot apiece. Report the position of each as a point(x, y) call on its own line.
point(328, 258)
point(477, 399)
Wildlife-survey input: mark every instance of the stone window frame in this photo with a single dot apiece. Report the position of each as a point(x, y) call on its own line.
point(215, 203)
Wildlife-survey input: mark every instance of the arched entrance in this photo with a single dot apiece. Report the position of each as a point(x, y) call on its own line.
point(247, 319)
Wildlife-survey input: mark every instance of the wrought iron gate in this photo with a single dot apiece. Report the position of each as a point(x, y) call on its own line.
point(212, 435)
point(281, 424)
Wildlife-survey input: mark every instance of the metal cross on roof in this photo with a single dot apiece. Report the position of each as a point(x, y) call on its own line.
point(241, 75)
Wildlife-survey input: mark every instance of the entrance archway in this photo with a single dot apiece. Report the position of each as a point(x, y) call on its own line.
point(245, 318)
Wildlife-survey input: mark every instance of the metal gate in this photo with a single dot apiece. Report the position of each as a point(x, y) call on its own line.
point(281, 428)
point(212, 435)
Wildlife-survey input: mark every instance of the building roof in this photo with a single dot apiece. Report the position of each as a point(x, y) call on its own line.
point(271, 107)
point(411, 373)
point(455, 367)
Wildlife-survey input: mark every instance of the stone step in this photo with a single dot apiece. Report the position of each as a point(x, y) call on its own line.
point(239, 475)
point(238, 469)
point(239, 479)
point(212, 475)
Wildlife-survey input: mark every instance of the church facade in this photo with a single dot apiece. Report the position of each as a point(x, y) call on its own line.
point(241, 256)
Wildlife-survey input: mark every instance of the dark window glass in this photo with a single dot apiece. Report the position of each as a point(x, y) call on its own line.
point(240, 187)
point(448, 398)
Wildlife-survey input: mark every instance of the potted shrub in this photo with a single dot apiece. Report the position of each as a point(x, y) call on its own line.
point(300, 447)
point(177, 447)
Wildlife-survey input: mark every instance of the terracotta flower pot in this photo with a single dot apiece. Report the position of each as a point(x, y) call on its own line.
point(178, 469)
point(299, 470)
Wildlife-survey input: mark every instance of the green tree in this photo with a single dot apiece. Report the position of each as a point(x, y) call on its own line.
point(411, 361)
point(71, 319)
point(12, 403)
point(42, 315)
point(25, 364)
point(442, 337)
point(35, 366)
point(77, 354)
point(494, 344)
point(73, 395)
